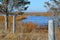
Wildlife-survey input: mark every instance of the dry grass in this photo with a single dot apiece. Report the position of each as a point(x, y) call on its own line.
point(38, 14)
point(10, 18)
point(30, 30)
point(35, 34)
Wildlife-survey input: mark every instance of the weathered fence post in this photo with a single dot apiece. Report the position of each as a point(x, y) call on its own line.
point(51, 30)
point(14, 23)
point(6, 23)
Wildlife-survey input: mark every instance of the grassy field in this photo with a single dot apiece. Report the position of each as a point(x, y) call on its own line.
point(30, 30)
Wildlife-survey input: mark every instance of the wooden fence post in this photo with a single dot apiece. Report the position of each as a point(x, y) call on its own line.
point(6, 23)
point(51, 30)
point(14, 23)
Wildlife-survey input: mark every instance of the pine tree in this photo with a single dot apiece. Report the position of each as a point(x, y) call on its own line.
point(54, 8)
point(8, 6)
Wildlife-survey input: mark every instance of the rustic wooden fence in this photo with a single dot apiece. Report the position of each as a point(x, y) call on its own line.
point(51, 28)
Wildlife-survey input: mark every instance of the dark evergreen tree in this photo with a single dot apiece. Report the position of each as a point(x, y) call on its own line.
point(8, 6)
point(54, 8)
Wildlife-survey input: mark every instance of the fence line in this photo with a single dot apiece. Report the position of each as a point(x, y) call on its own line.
point(51, 28)
point(6, 22)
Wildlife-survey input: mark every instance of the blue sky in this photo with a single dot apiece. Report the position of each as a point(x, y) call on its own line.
point(37, 6)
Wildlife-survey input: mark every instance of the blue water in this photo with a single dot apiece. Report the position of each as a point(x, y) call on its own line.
point(37, 19)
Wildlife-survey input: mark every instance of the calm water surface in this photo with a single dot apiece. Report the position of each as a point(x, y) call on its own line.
point(37, 19)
